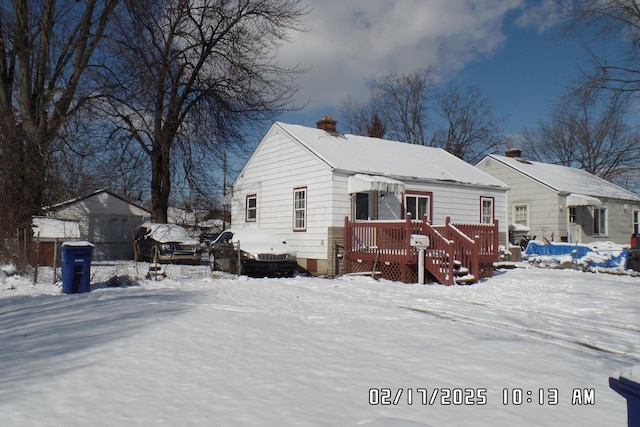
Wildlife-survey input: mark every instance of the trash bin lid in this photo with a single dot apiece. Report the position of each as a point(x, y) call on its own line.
point(627, 382)
point(82, 243)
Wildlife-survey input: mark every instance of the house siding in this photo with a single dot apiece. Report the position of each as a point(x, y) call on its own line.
point(282, 163)
point(278, 166)
point(106, 221)
point(543, 203)
point(548, 213)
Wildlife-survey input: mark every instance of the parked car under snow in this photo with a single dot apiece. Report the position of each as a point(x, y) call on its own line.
point(252, 253)
point(166, 243)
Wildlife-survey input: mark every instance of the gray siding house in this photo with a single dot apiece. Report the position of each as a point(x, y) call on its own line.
point(106, 220)
point(563, 204)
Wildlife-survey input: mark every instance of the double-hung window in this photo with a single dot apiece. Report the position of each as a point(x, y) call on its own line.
point(600, 221)
point(252, 208)
point(521, 215)
point(486, 210)
point(300, 209)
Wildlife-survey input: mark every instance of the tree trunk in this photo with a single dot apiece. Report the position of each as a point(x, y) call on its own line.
point(160, 181)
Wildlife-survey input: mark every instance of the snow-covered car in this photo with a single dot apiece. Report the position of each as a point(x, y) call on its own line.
point(166, 243)
point(252, 253)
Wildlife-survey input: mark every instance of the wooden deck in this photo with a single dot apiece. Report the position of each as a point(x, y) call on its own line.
point(385, 246)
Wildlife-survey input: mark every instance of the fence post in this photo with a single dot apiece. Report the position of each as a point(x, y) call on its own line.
point(476, 258)
point(407, 238)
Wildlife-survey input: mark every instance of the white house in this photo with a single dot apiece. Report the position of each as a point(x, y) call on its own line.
point(560, 203)
point(106, 220)
point(300, 184)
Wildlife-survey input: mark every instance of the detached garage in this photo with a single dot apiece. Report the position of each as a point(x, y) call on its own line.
point(105, 219)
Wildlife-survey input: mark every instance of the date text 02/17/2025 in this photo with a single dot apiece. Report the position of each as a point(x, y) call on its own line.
point(476, 396)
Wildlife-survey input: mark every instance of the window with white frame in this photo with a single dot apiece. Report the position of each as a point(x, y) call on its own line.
point(521, 215)
point(252, 208)
point(486, 210)
point(636, 222)
point(600, 221)
point(418, 205)
point(300, 209)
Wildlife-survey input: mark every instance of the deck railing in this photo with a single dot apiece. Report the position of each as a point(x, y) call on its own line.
point(389, 241)
point(439, 257)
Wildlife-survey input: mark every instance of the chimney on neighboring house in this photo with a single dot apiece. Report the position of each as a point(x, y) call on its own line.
point(513, 153)
point(327, 123)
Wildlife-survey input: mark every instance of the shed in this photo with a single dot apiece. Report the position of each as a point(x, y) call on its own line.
point(105, 219)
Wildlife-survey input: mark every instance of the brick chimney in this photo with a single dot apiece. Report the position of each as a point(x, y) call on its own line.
point(327, 124)
point(513, 153)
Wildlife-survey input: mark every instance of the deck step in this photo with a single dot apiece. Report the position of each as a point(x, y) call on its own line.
point(461, 271)
point(465, 280)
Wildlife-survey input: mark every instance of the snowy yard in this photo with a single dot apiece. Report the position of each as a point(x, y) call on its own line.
point(193, 350)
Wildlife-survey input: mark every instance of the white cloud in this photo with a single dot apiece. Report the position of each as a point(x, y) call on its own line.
point(350, 42)
point(545, 15)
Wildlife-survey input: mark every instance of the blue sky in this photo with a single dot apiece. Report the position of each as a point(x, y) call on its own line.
point(508, 48)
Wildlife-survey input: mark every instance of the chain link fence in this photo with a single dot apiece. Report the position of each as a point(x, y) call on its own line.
point(122, 273)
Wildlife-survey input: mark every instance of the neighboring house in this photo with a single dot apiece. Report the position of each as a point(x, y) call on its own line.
point(563, 204)
point(106, 220)
point(300, 184)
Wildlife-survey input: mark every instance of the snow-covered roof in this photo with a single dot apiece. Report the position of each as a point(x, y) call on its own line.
point(55, 228)
point(65, 203)
point(566, 179)
point(361, 154)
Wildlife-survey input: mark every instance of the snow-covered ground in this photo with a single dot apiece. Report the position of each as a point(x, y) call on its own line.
point(196, 350)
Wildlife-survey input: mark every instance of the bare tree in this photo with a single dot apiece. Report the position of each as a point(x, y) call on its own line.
point(45, 48)
point(617, 20)
point(355, 115)
point(402, 103)
point(588, 130)
point(468, 128)
point(360, 118)
point(190, 72)
point(411, 108)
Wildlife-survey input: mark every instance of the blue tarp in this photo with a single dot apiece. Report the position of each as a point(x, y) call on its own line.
point(604, 258)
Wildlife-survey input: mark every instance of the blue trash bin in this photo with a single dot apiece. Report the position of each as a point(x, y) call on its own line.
point(76, 267)
point(628, 386)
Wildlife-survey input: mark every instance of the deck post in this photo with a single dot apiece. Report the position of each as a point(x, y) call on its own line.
point(347, 235)
point(407, 239)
